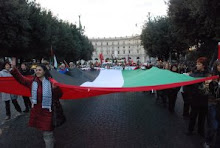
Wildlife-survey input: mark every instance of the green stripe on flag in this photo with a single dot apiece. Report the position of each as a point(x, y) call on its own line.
point(151, 77)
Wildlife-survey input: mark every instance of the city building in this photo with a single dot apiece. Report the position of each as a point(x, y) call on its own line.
point(119, 48)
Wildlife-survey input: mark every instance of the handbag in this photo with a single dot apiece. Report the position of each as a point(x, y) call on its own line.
point(58, 117)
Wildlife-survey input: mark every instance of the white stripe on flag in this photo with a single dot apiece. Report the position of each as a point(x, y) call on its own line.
point(107, 78)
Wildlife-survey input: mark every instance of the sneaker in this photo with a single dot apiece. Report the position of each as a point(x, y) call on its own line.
point(19, 114)
point(7, 118)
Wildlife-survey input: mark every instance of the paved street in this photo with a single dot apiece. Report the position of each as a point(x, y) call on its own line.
point(122, 120)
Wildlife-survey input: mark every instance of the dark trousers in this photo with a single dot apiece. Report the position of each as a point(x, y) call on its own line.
point(172, 101)
point(27, 103)
point(217, 142)
point(199, 112)
point(7, 107)
point(186, 106)
point(161, 94)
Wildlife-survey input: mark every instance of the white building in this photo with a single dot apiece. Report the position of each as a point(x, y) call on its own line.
point(119, 48)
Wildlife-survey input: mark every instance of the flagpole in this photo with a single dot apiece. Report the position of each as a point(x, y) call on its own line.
point(218, 50)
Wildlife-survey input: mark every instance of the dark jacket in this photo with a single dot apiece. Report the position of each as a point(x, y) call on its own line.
point(197, 93)
point(26, 72)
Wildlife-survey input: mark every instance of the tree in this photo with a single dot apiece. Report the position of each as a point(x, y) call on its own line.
point(159, 38)
point(28, 31)
point(14, 27)
point(197, 23)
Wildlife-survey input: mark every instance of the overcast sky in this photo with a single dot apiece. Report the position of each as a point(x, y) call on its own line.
point(106, 18)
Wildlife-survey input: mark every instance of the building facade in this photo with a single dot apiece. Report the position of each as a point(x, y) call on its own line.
point(119, 48)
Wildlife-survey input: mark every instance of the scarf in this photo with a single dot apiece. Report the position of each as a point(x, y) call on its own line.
point(46, 94)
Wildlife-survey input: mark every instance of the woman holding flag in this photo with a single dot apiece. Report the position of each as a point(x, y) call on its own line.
point(46, 112)
point(198, 98)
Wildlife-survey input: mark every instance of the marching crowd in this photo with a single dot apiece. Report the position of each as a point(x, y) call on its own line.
point(201, 100)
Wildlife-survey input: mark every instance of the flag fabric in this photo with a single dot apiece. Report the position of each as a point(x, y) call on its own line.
point(55, 62)
point(112, 81)
point(101, 57)
point(53, 57)
point(137, 78)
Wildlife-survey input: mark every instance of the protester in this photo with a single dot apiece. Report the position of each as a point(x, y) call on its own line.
point(33, 68)
point(25, 71)
point(172, 93)
point(45, 102)
point(213, 104)
point(62, 69)
point(8, 97)
point(198, 98)
point(137, 67)
point(186, 95)
point(71, 65)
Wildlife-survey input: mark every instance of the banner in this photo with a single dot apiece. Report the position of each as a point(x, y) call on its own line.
point(127, 81)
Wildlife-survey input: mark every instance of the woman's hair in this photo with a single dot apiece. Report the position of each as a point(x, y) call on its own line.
point(174, 65)
point(5, 63)
point(47, 74)
point(215, 70)
point(203, 60)
point(25, 64)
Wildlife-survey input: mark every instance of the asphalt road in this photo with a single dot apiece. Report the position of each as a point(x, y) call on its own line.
point(121, 120)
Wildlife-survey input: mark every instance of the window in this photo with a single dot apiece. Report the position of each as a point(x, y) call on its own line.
point(107, 43)
point(137, 51)
point(123, 46)
point(129, 51)
point(112, 51)
point(118, 52)
point(124, 52)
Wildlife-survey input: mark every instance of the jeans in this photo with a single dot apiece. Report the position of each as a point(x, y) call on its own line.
point(212, 125)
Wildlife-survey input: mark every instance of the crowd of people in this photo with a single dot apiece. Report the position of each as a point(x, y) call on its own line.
point(201, 100)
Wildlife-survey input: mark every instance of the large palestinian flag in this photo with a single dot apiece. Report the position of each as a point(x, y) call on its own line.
point(82, 84)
